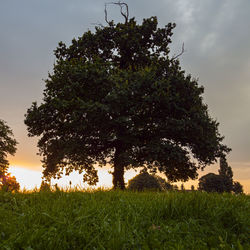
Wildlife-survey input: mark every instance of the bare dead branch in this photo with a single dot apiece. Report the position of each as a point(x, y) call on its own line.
point(106, 14)
point(182, 51)
point(121, 4)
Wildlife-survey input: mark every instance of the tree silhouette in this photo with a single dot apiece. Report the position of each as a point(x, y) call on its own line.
point(222, 182)
point(9, 183)
point(226, 173)
point(116, 97)
point(146, 181)
point(7, 146)
point(237, 188)
point(211, 183)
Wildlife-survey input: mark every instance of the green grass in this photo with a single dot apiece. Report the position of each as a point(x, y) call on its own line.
point(124, 220)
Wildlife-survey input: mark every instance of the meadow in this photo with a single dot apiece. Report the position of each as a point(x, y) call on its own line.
point(124, 220)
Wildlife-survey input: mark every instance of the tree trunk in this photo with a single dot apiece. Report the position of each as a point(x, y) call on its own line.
point(118, 174)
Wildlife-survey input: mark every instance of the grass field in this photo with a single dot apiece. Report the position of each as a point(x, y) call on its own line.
point(124, 220)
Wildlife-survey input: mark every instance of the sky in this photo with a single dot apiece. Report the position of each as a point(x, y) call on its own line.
point(216, 35)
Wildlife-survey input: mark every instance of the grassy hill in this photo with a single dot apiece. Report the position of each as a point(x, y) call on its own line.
point(124, 220)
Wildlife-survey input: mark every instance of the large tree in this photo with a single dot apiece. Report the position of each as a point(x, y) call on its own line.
point(116, 97)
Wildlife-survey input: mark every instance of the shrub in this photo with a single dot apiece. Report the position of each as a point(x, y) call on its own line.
point(145, 181)
point(9, 183)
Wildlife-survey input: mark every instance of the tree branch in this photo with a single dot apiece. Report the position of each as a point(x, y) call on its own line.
point(182, 51)
point(106, 15)
point(121, 4)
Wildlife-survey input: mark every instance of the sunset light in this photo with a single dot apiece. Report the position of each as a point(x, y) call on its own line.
point(30, 179)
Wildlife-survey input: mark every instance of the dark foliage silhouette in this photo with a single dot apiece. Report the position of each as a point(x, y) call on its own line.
point(7, 146)
point(146, 181)
point(116, 97)
point(222, 182)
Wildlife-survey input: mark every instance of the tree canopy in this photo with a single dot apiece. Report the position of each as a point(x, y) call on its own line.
point(116, 97)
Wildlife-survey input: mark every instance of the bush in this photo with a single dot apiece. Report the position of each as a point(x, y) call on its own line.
point(145, 181)
point(9, 183)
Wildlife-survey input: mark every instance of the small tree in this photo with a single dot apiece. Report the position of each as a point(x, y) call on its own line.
point(116, 97)
point(9, 183)
point(237, 188)
point(226, 173)
point(7, 146)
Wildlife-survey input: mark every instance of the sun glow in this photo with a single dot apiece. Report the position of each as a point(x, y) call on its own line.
point(27, 178)
point(30, 179)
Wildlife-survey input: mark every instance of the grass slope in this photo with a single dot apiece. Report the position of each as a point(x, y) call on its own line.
point(123, 220)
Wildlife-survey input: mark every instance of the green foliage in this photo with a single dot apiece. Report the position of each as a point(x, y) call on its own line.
point(124, 220)
point(115, 97)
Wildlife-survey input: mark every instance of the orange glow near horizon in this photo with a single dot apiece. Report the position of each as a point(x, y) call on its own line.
point(31, 178)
